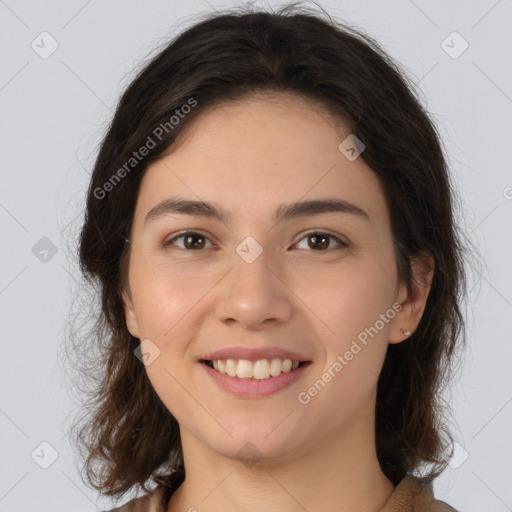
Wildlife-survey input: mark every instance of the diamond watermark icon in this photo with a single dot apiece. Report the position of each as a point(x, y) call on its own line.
point(44, 455)
point(249, 455)
point(351, 147)
point(249, 249)
point(147, 352)
point(44, 250)
point(44, 45)
point(457, 458)
point(454, 45)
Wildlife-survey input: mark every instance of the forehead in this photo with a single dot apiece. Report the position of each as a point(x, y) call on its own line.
point(254, 153)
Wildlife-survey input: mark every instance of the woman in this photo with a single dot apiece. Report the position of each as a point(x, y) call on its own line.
point(270, 221)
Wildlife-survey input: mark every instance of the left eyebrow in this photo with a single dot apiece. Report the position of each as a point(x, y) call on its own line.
point(319, 206)
point(283, 212)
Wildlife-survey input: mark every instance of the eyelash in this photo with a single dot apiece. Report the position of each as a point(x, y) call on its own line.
point(342, 244)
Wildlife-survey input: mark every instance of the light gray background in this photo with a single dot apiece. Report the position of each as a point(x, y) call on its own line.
point(53, 114)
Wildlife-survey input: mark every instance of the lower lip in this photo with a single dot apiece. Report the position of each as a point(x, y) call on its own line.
point(255, 388)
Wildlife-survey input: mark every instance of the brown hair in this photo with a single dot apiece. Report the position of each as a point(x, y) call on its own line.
point(127, 433)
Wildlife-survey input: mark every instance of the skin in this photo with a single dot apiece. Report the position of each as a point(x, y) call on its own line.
point(249, 157)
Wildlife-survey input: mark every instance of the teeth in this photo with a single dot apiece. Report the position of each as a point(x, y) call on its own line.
point(231, 366)
point(261, 369)
point(287, 365)
point(275, 367)
point(244, 369)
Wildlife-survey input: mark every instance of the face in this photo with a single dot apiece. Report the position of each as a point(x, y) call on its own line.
point(312, 284)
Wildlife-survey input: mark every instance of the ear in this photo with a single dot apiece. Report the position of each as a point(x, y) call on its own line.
point(413, 304)
point(130, 315)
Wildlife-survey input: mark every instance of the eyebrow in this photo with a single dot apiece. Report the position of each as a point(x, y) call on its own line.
point(283, 212)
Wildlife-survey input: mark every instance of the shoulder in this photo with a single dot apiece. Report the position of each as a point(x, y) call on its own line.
point(150, 502)
point(414, 495)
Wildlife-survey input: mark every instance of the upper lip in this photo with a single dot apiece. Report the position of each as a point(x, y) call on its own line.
point(253, 354)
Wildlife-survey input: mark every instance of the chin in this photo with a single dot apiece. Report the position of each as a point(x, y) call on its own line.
point(253, 444)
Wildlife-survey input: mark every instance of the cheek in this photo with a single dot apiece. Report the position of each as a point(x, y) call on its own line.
point(161, 299)
point(354, 306)
point(162, 306)
point(350, 298)
point(354, 338)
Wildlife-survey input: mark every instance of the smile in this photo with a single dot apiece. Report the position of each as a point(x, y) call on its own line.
point(260, 369)
point(258, 378)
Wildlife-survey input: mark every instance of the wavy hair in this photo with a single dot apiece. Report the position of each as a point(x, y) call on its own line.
point(126, 435)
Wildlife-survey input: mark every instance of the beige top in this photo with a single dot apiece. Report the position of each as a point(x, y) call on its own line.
point(409, 496)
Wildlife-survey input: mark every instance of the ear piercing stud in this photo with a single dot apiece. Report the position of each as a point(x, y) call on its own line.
point(406, 332)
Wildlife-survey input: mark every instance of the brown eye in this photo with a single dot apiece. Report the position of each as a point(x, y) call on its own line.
point(192, 241)
point(319, 241)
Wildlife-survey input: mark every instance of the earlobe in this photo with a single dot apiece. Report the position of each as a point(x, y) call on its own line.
point(130, 315)
point(413, 304)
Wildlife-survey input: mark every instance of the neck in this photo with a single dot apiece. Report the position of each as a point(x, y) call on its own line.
point(340, 471)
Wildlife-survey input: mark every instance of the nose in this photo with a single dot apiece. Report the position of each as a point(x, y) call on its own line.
point(254, 293)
